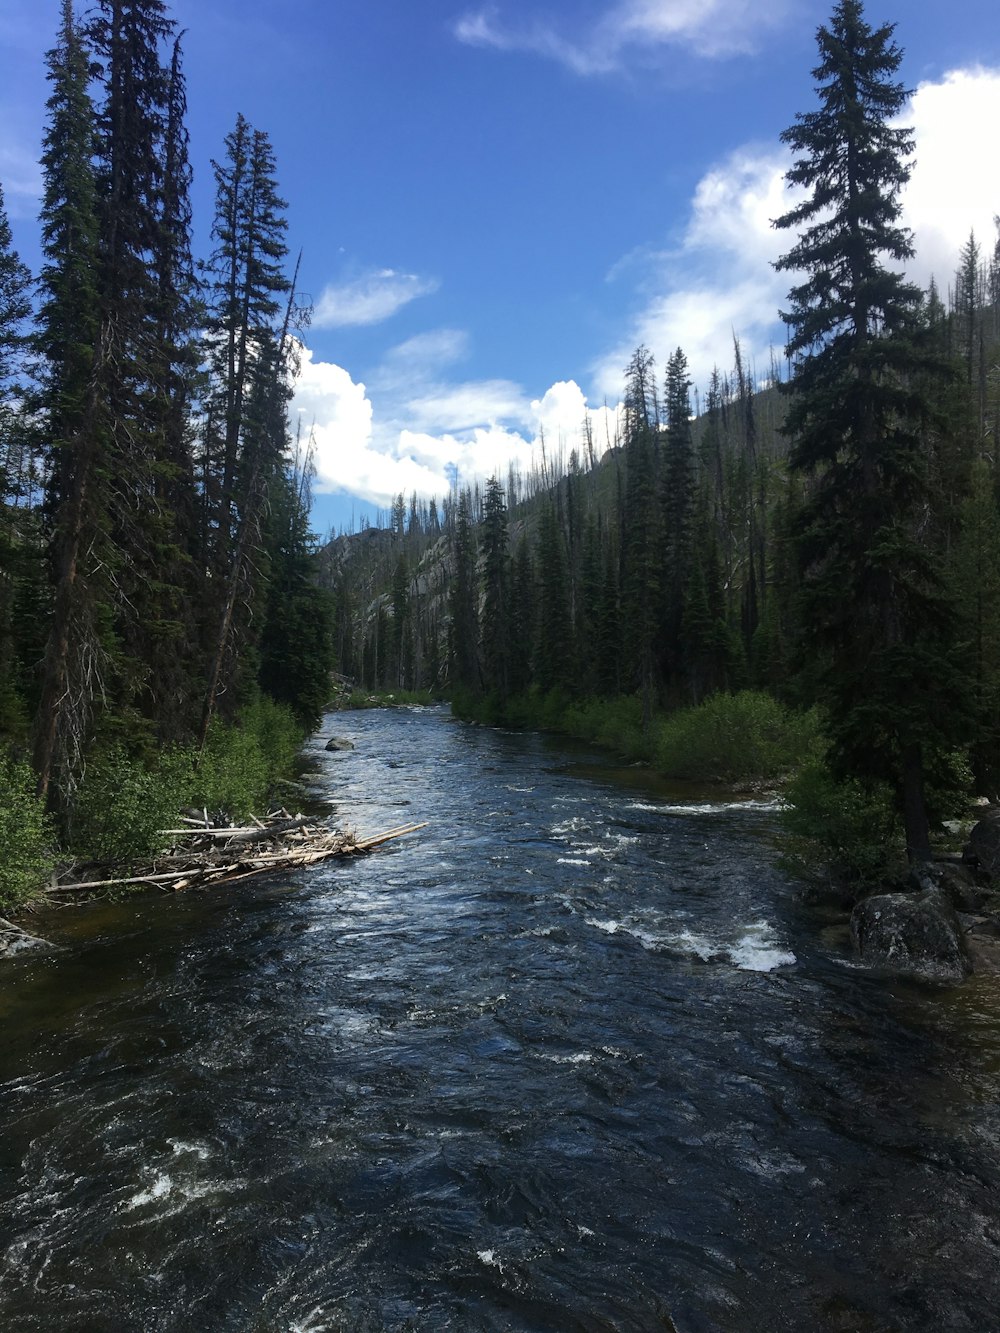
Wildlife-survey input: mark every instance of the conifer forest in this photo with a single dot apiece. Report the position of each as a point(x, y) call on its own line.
point(823, 538)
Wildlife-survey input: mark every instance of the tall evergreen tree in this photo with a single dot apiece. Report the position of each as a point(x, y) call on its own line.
point(554, 661)
point(641, 548)
point(74, 345)
point(463, 653)
point(878, 623)
point(16, 459)
point(678, 501)
point(495, 626)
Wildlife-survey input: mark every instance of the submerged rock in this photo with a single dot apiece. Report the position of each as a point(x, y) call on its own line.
point(339, 743)
point(14, 940)
point(912, 934)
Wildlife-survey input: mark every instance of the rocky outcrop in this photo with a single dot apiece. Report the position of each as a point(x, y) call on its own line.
point(915, 934)
point(339, 743)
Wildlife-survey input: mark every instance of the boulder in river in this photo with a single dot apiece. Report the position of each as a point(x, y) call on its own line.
point(339, 743)
point(912, 934)
point(983, 849)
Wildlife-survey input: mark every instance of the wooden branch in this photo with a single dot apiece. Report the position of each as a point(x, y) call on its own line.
point(313, 847)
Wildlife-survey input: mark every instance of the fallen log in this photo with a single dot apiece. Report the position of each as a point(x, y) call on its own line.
point(312, 845)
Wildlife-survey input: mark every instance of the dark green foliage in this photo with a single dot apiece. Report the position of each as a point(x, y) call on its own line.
point(496, 616)
point(26, 835)
point(554, 663)
point(678, 506)
point(878, 624)
point(463, 654)
point(843, 831)
point(641, 531)
point(19, 549)
point(745, 738)
point(523, 618)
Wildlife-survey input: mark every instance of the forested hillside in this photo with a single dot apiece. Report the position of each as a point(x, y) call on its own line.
point(829, 538)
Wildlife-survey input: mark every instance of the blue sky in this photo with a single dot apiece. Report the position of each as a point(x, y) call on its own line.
point(497, 203)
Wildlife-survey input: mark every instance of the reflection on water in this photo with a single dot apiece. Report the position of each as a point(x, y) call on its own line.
point(573, 1057)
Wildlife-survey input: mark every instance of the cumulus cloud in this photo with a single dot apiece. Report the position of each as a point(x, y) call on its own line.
point(955, 185)
point(474, 429)
point(720, 280)
point(370, 298)
point(628, 30)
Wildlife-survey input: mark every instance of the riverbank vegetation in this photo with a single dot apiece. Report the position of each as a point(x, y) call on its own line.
point(162, 637)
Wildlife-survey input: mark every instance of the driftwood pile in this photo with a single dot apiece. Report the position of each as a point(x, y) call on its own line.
point(200, 854)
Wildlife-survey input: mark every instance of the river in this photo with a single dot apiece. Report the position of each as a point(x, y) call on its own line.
point(574, 1057)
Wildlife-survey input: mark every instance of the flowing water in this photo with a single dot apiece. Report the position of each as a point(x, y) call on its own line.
point(572, 1057)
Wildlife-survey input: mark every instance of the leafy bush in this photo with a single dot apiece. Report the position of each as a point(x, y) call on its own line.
point(27, 839)
point(240, 763)
point(745, 737)
point(123, 804)
point(845, 832)
point(614, 723)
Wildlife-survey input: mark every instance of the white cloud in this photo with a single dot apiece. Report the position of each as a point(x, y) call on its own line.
point(457, 407)
point(370, 298)
point(720, 280)
point(955, 184)
point(376, 454)
point(630, 30)
point(437, 347)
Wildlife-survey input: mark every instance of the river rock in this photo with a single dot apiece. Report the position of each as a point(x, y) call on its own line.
point(957, 881)
point(339, 743)
point(14, 940)
point(911, 934)
point(983, 849)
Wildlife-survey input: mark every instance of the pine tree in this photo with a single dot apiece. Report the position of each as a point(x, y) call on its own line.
point(554, 661)
point(641, 553)
point(74, 346)
point(251, 369)
point(495, 626)
point(296, 645)
point(878, 623)
point(244, 284)
point(523, 618)
point(677, 505)
point(17, 537)
point(463, 655)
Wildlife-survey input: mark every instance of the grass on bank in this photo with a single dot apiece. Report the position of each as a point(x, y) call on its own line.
point(745, 738)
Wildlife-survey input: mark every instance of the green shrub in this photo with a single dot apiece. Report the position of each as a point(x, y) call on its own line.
point(241, 762)
point(122, 806)
point(613, 723)
point(844, 832)
point(27, 840)
point(745, 737)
